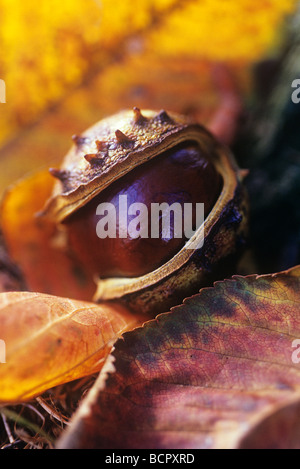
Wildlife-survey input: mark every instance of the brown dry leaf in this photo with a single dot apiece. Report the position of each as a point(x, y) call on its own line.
point(34, 244)
point(206, 375)
point(51, 340)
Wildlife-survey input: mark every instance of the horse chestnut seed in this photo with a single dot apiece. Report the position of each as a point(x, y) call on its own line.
point(182, 174)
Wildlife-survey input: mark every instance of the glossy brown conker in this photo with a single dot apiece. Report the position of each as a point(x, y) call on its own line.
point(182, 174)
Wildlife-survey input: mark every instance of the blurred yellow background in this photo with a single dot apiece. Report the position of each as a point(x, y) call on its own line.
point(69, 63)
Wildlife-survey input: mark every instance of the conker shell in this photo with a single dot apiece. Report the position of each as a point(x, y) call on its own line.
point(115, 147)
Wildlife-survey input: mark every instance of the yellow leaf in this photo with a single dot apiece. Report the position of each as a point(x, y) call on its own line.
point(51, 340)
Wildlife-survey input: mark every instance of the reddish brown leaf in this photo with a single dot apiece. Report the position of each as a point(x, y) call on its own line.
point(51, 340)
point(202, 376)
point(279, 430)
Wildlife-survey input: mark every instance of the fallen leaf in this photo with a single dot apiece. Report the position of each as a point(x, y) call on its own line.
point(204, 375)
point(279, 430)
point(35, 244)
point(51, 340)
